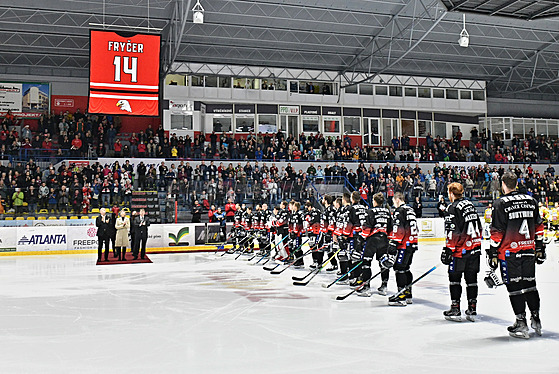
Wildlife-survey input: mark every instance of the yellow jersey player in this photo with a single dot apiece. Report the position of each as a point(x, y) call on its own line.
point(487, 224)
point(554, 220)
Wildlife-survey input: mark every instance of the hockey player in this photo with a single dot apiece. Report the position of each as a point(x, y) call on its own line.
point(282, 230)
point(462, 251)
point(487, 219)
point(328, 224)
point(239, 234)
point(357, 218)
point(375, 229)
point(312, 219)
point(247, 222)
point(402, 246)
point(554, 220)
point(295, 224)
point(343, 235)
point(517, 244)
point(264, 229)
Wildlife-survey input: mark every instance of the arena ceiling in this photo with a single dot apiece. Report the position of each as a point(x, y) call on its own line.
point(513, 44)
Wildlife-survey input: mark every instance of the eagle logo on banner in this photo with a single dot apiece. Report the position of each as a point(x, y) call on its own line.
point(124, 105)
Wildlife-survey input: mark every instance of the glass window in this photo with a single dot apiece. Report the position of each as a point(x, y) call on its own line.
point(466, 95)
point(225, 82)
point(366, 89)
point(239, 82)
point(438, 93)
point(352, 125)
point(293, 86)
point(440, 129)
point(326, 89)
point(552, 126)
point(497, 128)
point(280, 84)
point(374, 135)
point(222, 123)
point(332, 124)
point(283, 124)
point(309, 87)
point(211, 81)
point(197, 80)
point(395, 91)
point(181, 122)
point(381, 90)
point(541, 127)
point(267, 123)
point(452, 94)
point(310, 123)
point(249, 85)
point(410, 91)
point(244, 123)
point(424, 92)
point(408, 127)
point(479, 95)
point(424, 128)
point(175, 80)
point(529, 127)
point(351, 89)
point(518, 128)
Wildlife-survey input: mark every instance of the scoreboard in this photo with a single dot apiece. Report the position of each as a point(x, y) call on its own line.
point(124, 73)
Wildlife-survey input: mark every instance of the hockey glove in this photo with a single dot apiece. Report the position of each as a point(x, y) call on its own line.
point(387, 261)
point(446, 256)
point(393, 248)
point(492, 280)
point(540, 252)
point(492, 258)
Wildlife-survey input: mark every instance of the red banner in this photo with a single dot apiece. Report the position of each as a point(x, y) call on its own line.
point(124, 73)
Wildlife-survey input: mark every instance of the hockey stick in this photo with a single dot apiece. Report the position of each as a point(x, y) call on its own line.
point(238, 245)
point(313, 273)
point(343, 297)
point(415, 281)
point(314, 270)
point(336, 281)
point(295, 260)
point(293, 251)
point(270, 251)
point(222, 245)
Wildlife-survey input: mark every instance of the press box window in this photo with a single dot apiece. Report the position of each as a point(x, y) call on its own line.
point(197, 80)
point(244, 123)
point(424, 92)
point(211, 81)
point(466, 95)
point(310, 123)
point(410, 91)
point(479, 95)
point(222, 124)
point(438, 93)
point(352, 125)
point(351, 89)
point(366, 89)
point(381, 90)
point(181, 122)
point(452, 94)
point(395, 91)
point(267, 123)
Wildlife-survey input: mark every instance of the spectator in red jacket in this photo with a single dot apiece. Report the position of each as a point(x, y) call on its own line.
point(230, 210)
point(211, 215)
point(76, 145)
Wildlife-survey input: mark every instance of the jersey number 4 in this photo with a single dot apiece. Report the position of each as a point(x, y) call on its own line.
point(524, 229)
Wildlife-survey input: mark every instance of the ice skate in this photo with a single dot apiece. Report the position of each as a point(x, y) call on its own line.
point(382, 289)
point(536, 323)
point(471, 311)
point(364, 291)
point(453, 314)
point(397, 300)
point(520, 328)
point(407, 293)
point(332, 268)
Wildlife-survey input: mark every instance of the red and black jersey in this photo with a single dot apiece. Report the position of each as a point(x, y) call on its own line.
point(295, 222)
point(313, 218)
point(378, 220)
point(256, 219)
point(515, 224)
point(343, 226)
point(282, 218)
point(265, 219)
point(357, 217)
point(247, 221)
point(462, 228)
point(238, 218)
point(404, 226)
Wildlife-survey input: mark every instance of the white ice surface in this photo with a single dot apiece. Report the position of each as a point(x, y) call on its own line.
point(198, 313)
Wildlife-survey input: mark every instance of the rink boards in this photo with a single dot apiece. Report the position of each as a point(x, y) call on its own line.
point(162, 238)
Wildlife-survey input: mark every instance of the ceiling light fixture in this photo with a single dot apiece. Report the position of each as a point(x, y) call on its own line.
point(198, 10)
point(464, 40)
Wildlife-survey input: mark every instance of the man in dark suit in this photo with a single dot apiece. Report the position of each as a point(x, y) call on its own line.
point(141, 224)
point(103, 223)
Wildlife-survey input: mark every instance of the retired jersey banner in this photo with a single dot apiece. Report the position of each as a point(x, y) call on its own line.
point(124, 73)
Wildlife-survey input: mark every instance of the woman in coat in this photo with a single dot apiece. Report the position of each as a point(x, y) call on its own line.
point(122, 226)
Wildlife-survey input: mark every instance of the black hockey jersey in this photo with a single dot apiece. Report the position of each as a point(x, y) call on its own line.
point(313, 218)
point(378, 220)
point(357, 217)
point(328, 219)
point(247, 221)
point(295, 222)
point(404, 226)
point(238, 218)
point(462, 227)
point(343, 226)
point(516, 223)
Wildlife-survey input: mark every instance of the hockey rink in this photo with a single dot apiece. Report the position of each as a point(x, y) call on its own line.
point(198, 313)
